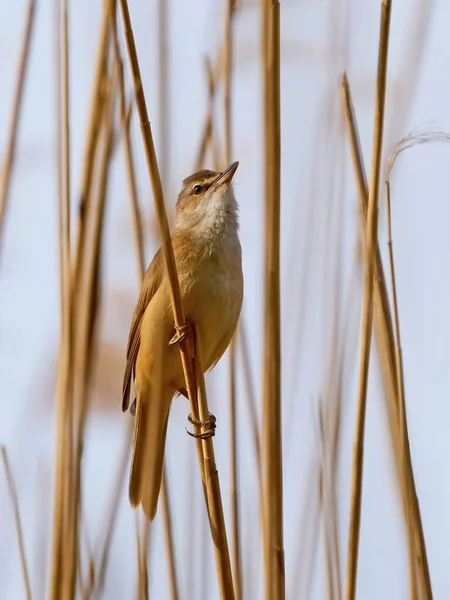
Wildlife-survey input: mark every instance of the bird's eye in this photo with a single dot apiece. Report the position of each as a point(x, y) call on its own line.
point(197, 189)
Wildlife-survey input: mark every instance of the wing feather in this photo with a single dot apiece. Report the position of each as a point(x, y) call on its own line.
point(152, 280)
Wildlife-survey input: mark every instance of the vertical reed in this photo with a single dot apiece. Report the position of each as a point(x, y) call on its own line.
point(272, 427)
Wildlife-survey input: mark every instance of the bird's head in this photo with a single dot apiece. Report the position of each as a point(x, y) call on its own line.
point(206, 201)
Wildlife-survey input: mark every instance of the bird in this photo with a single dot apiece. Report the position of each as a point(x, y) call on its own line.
point(208, 257)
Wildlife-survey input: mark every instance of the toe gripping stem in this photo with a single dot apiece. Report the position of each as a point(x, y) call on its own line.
point(181, 333)
point(208, 433)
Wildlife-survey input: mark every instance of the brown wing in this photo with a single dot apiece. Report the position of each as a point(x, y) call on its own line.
point(152, 281)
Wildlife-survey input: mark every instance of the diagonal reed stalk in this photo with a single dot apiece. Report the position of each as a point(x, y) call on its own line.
point(272, 426)
point(208, 469)
point(15, 503)
point(139, 245)
point(128, 151)
point(386, 348)
point(371, 244)
point(8, 163)
point(412, 503)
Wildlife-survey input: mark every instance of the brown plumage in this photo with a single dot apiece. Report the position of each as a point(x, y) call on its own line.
point(208, 258)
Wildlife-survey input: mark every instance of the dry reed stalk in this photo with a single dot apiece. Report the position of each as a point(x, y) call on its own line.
point(272, 426)
point(323, 491)
point(186, 350)
point(401, 402)
point(128, 151)
point(207, 136)
point(308, 537)
point(168, 534)
point(413, 509)
point(215, 508)
point(139, 243)
point(92, 137)
point(163, 92)
point(383, 320)
point(386, 349)
point(63, 483)
point(84, 318)
point(330, 422)
point(250, 396)
point(65, 503)
point(8, 162)
point(371, 244)
point(15, 503)
point(236, 542)
point(329, 447)
point(164, 166)
point(227, 70)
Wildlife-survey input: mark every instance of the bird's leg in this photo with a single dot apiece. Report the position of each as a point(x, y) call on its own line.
point(210, 423)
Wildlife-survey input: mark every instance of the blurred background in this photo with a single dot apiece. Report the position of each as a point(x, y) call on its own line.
point(321, 290)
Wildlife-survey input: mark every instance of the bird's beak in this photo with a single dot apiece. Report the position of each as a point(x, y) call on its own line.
point(227, 175)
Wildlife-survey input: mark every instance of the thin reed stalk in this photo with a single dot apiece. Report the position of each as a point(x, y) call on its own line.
point(168, 535)
point(207, 136)
point(272, 426)
point(92, 137)
point(227, 70)
point(250, 397)
point(401, 399)
point(371, 244)
point(163, 92)
point(227, 105)
point(386, 346)
point(8, 162)
point(413, 509)
point(128, 152)
point(215, 508)
point(186, 351)
point(64, 458)
point(236, 540)
point(15, 503)
point(164, 156)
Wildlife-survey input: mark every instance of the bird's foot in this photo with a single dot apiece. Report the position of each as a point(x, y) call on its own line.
point(181, 333)
point(210, 423)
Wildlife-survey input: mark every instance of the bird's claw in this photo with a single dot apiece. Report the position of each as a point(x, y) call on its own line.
point(181, 333)
point(204, 435)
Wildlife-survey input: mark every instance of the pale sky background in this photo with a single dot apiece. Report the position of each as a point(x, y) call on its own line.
point(29, 309)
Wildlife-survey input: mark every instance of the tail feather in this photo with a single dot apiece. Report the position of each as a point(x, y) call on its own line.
point(147, 460)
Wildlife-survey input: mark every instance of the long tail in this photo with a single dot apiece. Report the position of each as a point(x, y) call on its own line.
point(147, 459)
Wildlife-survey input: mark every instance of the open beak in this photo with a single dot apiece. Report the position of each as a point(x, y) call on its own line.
point(227, 175)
